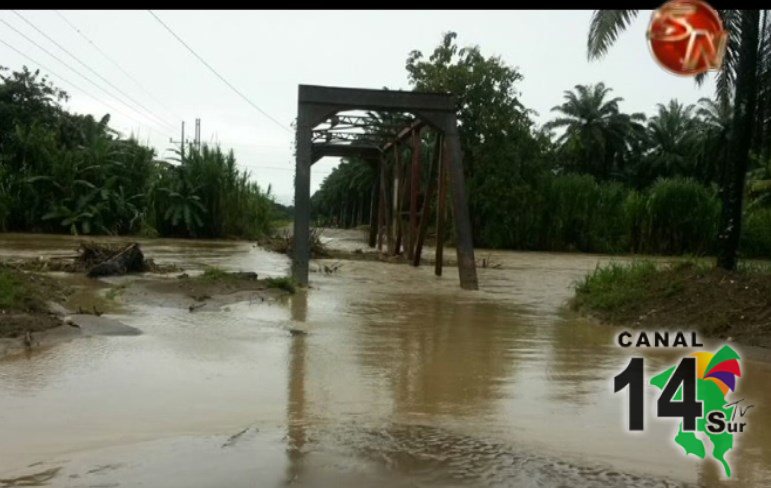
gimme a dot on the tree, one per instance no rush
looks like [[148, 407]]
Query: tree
[[738, 76], [597, 136], [673, 137], [67, 172], [344, 196], [501, 149], [714, 117]]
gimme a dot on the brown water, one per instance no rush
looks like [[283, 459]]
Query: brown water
[[403, 379]]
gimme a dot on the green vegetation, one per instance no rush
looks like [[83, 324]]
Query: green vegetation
[[12, 290], [23, 298], [687, 294], [23, 292], [609, 288], [282, 283], [593, 179], [68, 173], [740, 116], [214, 275]]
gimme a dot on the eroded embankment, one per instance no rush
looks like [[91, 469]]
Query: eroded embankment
[[24, 301], [47, 301], [714, 302]]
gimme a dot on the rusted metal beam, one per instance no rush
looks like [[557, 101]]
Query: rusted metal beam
[[425, 213], [373, 209], [404, 134], [414, 191], [386, 183], [382, 206], [441, 209], [399, 187]]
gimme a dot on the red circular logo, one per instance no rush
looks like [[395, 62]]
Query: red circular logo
[[687, 37]]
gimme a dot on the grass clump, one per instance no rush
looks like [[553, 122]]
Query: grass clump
[[282, 283], [242, 280], [213, 273], [614, 285], [22, 291], [12, 290]]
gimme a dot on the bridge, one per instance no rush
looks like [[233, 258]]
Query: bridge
[[374, 126]]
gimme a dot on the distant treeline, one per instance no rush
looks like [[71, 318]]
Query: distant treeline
[[593, 179], [68, 173]]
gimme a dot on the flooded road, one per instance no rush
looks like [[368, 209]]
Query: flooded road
[[395, 378]]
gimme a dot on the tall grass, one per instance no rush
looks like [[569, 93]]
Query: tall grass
[[681, 216], [206, 195], [575, 212], [615, 285], [756, 233]]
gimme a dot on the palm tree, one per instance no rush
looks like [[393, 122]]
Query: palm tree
[[763, 147], [714, 116], [674, 139], [597, 135], [738, 77]]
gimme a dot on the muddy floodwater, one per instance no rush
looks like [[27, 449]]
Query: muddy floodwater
[[390, 377]]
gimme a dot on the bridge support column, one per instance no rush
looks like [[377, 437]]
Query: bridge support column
[[302, 200]]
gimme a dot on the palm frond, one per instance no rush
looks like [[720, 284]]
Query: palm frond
[[604, 29], [726, 77]]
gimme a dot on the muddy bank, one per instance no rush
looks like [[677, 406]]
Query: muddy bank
[[27, 301], [38, 311], [65, 329], [734, 306], [210, 290], [42, 304], [46, 300]]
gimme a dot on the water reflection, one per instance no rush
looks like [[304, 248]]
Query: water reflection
[[580, 354], [296, 406], [439, 358]]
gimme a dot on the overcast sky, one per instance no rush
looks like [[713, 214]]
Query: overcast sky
[[266, 54]]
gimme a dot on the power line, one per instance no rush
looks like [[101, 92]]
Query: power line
[[32, 41], [116, 64], [217, 74], [50, 71], [105, 80]]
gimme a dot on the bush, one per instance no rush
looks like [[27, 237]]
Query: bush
[[575, 212], [681, 217], [614, 285], [282, 283], [756, 233], [581, 214]]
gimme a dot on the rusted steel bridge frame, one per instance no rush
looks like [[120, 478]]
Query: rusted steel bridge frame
[[317, 104]]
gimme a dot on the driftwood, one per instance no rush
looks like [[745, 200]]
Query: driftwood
[[127, 260]]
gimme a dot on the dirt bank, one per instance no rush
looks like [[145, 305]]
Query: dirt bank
[[27, 301], [210, 290], [714, 302]]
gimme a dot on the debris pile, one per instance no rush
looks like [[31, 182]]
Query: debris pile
[[98, 259], [284, 243], [106, 260]]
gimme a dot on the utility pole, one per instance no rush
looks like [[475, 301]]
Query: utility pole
[[181, 142], [198, 133]]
